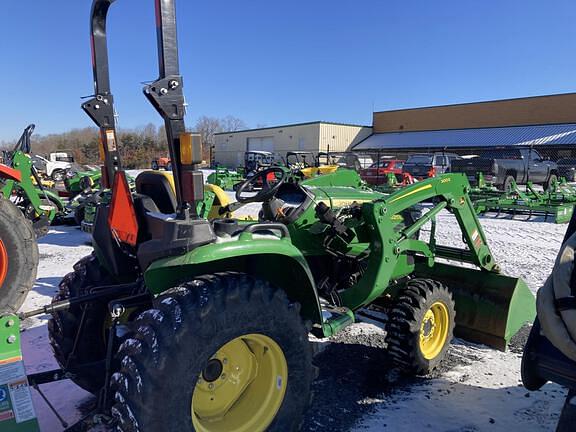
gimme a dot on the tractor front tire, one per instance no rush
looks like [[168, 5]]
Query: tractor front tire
[[222, 352], [421, 326], [18, 257], [71, 349]]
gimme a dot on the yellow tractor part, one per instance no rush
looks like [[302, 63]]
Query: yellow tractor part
[[242, 387], [45, 183], [221, 198], [315, 171], [434, 330]]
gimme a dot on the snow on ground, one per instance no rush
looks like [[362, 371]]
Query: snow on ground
[[478, 390]]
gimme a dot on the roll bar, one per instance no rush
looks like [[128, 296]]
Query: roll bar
[[165, 94]]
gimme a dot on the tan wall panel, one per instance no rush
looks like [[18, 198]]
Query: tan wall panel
[[512, 112], [339, 138]]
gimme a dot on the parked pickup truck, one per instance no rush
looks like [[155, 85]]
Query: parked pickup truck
[[55, 166], [424, 165], [502, 166]]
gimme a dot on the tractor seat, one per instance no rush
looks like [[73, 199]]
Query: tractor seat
[[159, 186]]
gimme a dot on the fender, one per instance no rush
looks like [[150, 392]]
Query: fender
[[278, 261], [10, 173]]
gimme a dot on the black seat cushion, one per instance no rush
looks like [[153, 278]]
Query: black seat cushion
[[158, 188]]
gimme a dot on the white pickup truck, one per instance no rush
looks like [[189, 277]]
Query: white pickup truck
[[56, 166]]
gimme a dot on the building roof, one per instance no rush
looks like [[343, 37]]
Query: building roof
[[291, 125], [490, 101], [558, 134]]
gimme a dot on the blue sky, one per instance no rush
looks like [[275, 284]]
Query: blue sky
[[271, 62]]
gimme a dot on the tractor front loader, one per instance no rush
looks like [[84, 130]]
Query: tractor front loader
[[183, 321], [38, 204]]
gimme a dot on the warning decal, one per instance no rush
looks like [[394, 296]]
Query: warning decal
[[111, 140], [21, 401], [15, 396]]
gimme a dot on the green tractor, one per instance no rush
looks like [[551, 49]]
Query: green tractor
[[183, 321], [38, 203], [78, 181]]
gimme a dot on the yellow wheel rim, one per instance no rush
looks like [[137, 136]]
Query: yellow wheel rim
[[242, 387], [434, 330]]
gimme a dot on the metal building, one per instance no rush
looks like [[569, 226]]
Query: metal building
[[316, 137], [546, 123]]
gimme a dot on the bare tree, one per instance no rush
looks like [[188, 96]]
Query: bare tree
[[209, 126], [231, 124]]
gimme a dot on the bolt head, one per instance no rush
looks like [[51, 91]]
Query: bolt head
[[11, 339], [163, 91], [10, 323]]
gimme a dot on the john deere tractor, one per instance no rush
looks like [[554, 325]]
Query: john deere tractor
[[25, 187], [180, 322]]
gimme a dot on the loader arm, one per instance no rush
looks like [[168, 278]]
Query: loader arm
[[490, 307], [390, 248]]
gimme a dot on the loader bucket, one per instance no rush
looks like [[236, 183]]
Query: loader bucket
[[490, 307]]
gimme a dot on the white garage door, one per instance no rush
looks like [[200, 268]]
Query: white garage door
[[261, 143]]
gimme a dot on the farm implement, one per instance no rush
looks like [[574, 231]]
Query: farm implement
[[555, 204], [391, 182], [226, 179], [184, 319]]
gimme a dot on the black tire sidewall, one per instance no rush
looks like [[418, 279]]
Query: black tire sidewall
[[182, 389], [22, 250], [182, 356]]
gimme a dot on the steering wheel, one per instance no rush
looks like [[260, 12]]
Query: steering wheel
[[258, 180]]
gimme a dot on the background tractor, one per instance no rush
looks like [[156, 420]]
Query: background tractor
[[185, 319], [26, 189]]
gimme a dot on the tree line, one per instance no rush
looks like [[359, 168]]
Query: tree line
[[138, 146]]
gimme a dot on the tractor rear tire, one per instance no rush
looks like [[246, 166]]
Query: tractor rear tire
[[64, 326], [421, 326], [180, 355], [18, 257]]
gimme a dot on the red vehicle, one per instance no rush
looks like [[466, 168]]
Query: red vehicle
[[162, 163], [376, 174]]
